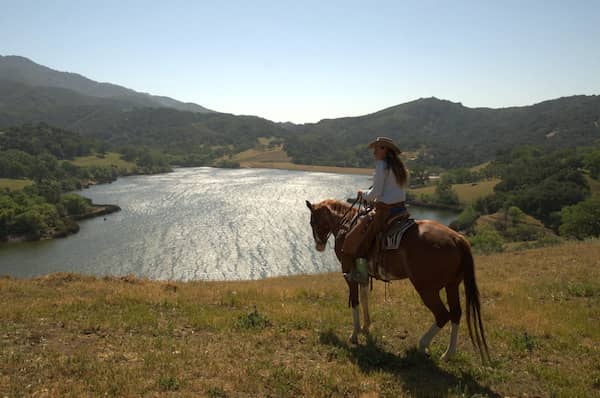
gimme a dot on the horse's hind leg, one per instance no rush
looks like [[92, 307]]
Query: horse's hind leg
[[455, 314], [431, 299]]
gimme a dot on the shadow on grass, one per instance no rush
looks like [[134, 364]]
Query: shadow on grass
[[416, 371]]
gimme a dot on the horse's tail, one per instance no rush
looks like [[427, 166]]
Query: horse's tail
[[472, 303]]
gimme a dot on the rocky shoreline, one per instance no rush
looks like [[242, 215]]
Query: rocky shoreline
[[97, 211]]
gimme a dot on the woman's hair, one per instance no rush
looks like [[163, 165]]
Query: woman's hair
[[395, 163]]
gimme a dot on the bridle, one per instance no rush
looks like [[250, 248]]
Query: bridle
[[340, 223]]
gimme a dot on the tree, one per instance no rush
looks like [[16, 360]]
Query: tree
[[75, 204], [581, 220], [592, 163], [419, 175], [466, 220], [445, 194]]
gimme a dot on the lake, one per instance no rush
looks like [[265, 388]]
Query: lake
[[198, 224]]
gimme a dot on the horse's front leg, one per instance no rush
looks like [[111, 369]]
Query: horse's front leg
[[353, 300], [364, 300]]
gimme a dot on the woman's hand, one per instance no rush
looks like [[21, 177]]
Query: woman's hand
[[359, 195]]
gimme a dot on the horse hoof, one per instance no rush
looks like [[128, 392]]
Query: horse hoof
[[424, 350], [353, 339]]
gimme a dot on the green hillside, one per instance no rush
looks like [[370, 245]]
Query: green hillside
[[449, 134], [435, 132]]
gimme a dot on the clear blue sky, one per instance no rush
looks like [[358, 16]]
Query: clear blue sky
[[307, 60]]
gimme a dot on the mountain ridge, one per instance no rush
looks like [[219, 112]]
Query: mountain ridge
[[20, 69], [443, 133]]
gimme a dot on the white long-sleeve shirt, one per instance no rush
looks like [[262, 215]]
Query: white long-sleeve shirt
[[385, 187]]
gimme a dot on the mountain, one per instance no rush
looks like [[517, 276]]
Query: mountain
[[119, 123], [438, 132], [449, 134], [22, 70]]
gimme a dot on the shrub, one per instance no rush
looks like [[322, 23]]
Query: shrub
[[581, 220], [253, 320], [75, 204], [445, 194], [466, 220], [487, 240]]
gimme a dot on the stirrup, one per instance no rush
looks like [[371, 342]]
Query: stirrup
[[359, 273]]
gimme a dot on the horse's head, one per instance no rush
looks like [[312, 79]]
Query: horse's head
[[321, 221]]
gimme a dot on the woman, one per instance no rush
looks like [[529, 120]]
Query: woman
[[388, 194]]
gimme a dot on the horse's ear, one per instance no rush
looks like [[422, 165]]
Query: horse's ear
[[309, 205]]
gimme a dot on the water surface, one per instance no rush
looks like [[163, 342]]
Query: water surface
[[198, 223]]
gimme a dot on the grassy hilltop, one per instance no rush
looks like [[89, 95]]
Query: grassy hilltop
[[71, 335]]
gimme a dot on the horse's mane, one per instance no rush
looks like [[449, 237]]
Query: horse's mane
[[337, 207]]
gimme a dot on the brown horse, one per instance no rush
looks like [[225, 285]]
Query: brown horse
[[431, 255]]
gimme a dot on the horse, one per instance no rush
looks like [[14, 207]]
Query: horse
[[431, 255]]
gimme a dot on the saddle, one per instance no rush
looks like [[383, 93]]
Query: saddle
[[392, 237], [387, 240]]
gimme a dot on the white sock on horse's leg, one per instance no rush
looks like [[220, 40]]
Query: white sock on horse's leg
[[427, 337], [364, 299], [356, 323], [452, 346]]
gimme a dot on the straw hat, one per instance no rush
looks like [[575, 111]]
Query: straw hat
[[386, 142]]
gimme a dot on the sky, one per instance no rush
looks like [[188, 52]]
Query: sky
[[303, 61]]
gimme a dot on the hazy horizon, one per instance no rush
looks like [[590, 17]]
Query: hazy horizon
[[306, 62]]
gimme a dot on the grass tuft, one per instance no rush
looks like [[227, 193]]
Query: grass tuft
[[253, 320], [583, 289], [169, 383], [525, 342], [216, 392]]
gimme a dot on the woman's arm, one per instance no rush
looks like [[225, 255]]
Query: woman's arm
[[377, 190]]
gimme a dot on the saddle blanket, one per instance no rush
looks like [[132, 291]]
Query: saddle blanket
[[394, 235]]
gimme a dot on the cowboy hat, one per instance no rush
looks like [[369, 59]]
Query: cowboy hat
[[386, 142]]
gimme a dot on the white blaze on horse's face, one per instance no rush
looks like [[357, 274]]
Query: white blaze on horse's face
[[319, 227]]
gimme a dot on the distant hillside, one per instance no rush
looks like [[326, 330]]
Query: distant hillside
[[449, 134], [22, 70], [437, 132], [118, 122]]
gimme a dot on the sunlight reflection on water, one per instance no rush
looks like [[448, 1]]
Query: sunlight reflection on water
[[197, 223]]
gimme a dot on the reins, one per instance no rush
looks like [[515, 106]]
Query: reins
[[343, 220]]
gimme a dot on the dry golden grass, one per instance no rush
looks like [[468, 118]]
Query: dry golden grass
[[71, 335], [14, 184], [467, 193], [277, 158], [110, 159], [276, 154], [480, 167]]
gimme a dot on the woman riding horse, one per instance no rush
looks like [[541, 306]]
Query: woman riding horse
[[389, 196], [431, 255]]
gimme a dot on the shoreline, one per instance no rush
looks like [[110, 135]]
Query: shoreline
[[71, 225], [306, 167]]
